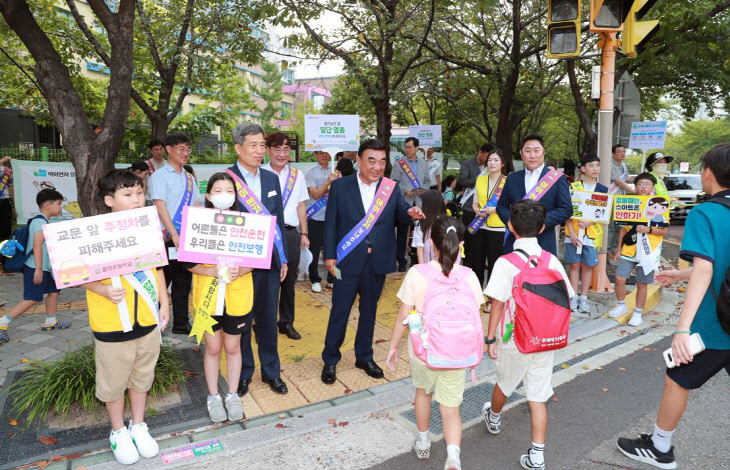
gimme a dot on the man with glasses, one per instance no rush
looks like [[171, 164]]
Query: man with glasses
[[293, 193], [171, 188], [412, 195]]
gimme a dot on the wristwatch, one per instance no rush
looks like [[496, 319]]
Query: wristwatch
[[490, 341]]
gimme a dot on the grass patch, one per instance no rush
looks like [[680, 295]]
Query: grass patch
[[298, 357], [55, 386]]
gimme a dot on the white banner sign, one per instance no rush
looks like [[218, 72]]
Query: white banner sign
[[428, 136], [331, 130], [592, 207], [648, 135], [102, 246], [31, 177]]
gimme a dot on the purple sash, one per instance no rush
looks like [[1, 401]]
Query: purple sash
[[539, 190], [7, 173], [252, 204], [409, 173], [293, 173], [478, 221], [363, 228]]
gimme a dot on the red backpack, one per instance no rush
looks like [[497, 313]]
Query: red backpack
[[541, 304]]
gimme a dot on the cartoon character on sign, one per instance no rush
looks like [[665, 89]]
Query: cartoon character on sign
[[74, 208], [654, 209], [43, 185], [73, 270]]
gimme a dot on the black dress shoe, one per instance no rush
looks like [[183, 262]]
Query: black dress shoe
[[181, 329], [289, 331], [370, 368], [243, 386], [329, 374], [277, 385], [401, 267]]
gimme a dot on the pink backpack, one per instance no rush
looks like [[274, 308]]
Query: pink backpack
[[451, 321], [542, 305]]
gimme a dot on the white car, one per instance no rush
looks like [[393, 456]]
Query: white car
[[683, 190]]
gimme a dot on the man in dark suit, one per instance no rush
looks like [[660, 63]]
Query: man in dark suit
[[250, 145], [362, 271], [556, 200]]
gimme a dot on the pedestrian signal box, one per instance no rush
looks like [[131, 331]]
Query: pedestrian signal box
[[563, 29], [609, 15], [636, 33]]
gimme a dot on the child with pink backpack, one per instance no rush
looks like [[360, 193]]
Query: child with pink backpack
[[440, 303], [530, 295]]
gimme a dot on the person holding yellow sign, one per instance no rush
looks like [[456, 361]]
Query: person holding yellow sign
[[639, 247]]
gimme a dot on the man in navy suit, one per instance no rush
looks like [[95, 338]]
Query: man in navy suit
[[250, 145], [556, 200], [362, 272]]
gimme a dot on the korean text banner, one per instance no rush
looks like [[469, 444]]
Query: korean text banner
[[331, 130], [645, 210], [102, 246], [592, 207], [428, 136], [229, 238]]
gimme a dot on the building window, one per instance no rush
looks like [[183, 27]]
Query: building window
[[286, 110]]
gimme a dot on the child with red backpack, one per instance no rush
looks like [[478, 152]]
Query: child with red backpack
[[440, 303], [531, 285]]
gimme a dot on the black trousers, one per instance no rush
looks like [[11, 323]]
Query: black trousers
[[286, 298], [181, 280], [466, 218], [495, 249], [266, 295], [401, 242], [316, 241], [478, 254]]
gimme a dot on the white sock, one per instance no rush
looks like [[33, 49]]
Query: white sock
[[50, 320], [662, 439], [5, 320], [132, 425], [494, 417], [621, 302], [583, 297], [537, 453], [452, 451], [637, 311], [423, 436]]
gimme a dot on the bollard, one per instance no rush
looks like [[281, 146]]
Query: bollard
[[44, 154]]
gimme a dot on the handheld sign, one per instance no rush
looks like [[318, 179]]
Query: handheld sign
[[590, 207], [428, 136], [331, 133], [229, 238], [641, 210], [103, 246]]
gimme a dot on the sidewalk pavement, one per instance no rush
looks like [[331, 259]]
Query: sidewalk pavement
[[354, 392]]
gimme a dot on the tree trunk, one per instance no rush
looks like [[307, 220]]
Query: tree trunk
[[92, 152], [591, 138], [158, 122], [383, 127]]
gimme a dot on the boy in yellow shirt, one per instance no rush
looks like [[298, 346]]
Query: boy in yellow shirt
[[126, 360], [626, 256]]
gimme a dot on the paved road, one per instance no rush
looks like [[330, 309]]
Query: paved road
[[672, 242], [585, 422]]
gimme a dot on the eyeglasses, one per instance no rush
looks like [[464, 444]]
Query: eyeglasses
[[182, 148], [644, 184]]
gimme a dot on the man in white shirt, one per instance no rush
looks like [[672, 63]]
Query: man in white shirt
[[293, 194], [435, 169], [318, 180]]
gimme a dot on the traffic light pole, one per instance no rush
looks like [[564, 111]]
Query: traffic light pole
[[610, 44]]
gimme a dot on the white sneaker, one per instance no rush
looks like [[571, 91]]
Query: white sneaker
[[215, 408], [317, 287], [146, 445], [635, 319], [452, 464], [422, 450], [234, 407], [583, 306], [618, 310], [124, 450], [492, 427], [574, 303]]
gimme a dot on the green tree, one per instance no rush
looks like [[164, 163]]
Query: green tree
[[271, 92], [695, 139]]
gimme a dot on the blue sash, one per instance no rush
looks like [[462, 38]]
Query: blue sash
[[363, 228], [409, 173], [317, 206], [252, 204], [186, 199], [478, 221], [7, 173], [293, 173]]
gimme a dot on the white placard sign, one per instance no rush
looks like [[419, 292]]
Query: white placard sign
[[648, 135], [428, 136], [592, 207], [99, 247], [341, 131]]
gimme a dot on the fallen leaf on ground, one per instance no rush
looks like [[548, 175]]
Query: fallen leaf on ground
[[378, 341], [175, 389], [564, 366], [554, 398], [49, 441], [13, 422], [332, 422], [599, 368], [281, 426], [24, 361], [282, 415], [348, 391], [681, 289], [586, 367], [649, 349], [344, 423], [196, 349], [622, 368], [605, 390], [190, 373]]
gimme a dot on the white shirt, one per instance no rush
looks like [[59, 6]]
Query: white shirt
[[367, 192], [252, 181], [500, 282], [299, 193], [434, 168], [532, 177]]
